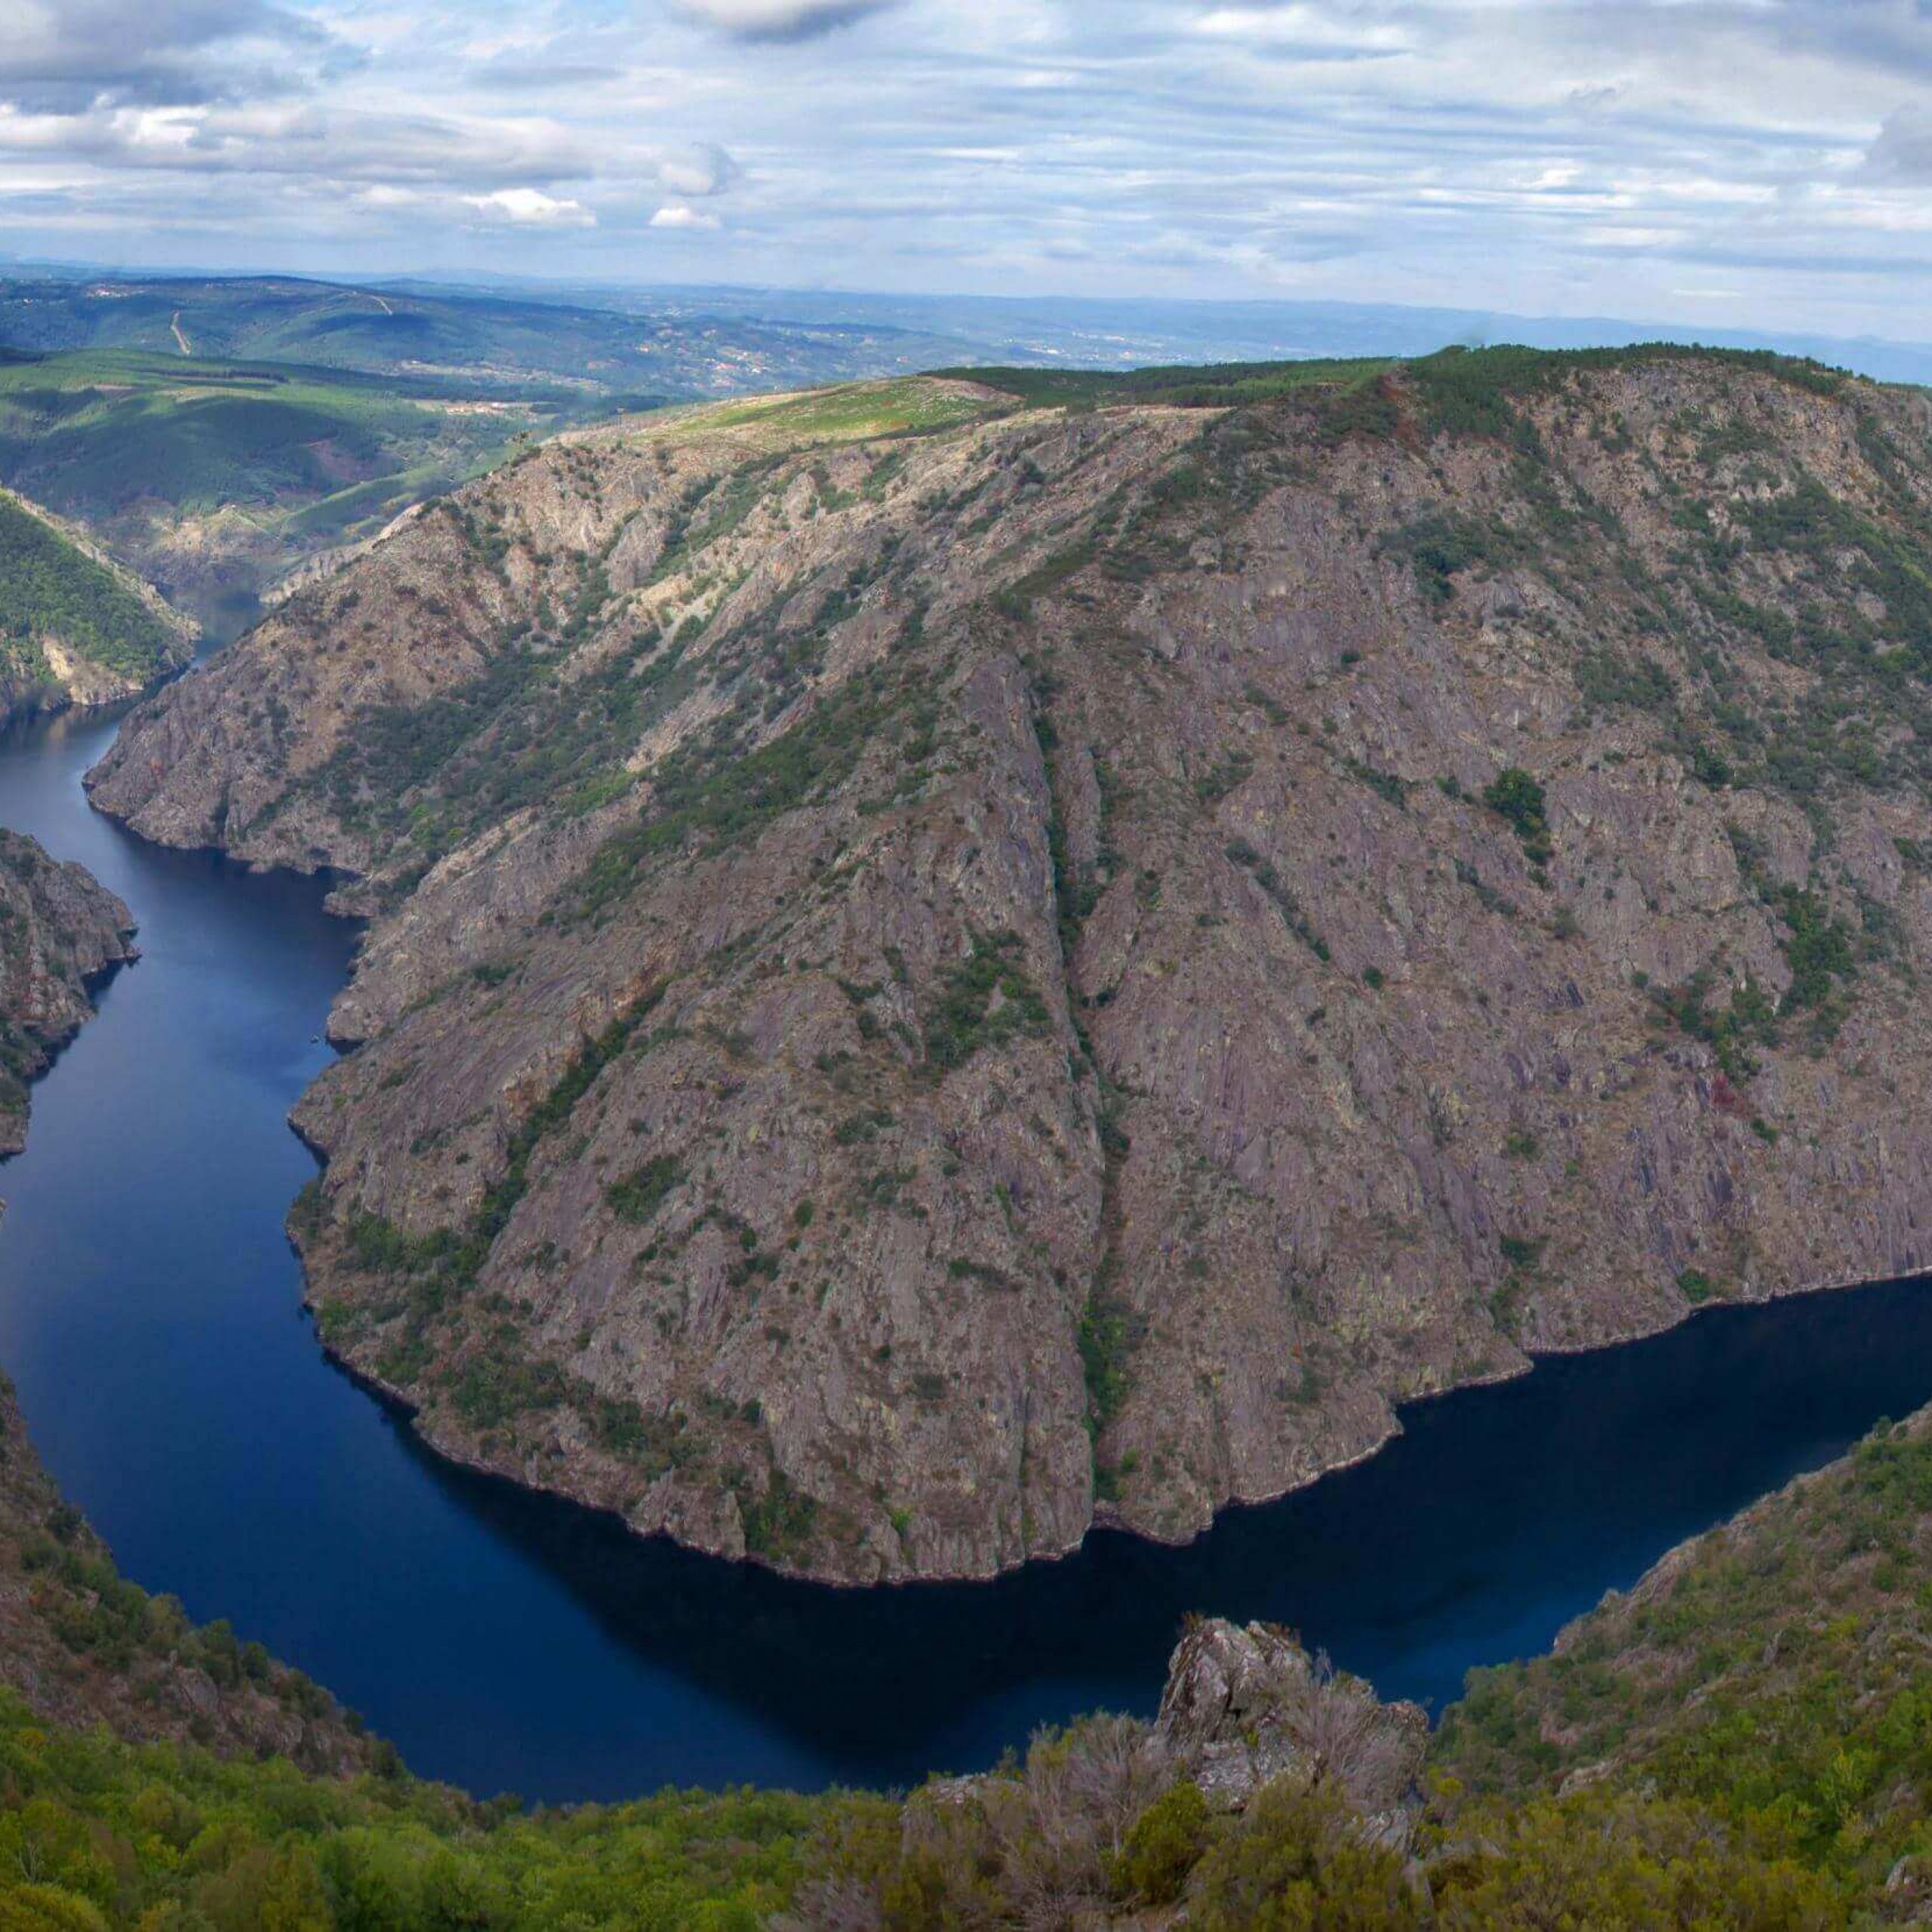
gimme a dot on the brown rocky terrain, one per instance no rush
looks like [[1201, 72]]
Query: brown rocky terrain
[[60, 930], [944, 967]]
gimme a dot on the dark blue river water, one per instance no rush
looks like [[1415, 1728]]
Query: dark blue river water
[[149, 1311]]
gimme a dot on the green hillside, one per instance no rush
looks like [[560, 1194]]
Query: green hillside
[[212, 479], [498, 343], [92, 433], [51, 589]]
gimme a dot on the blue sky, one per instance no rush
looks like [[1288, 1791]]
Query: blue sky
[[1751, 163]]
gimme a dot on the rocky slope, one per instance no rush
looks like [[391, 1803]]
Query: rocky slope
[[946, 967], [60, 930], [75, 628], [1775, 1666]]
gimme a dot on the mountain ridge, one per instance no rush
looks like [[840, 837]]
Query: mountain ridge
[[947, 969]]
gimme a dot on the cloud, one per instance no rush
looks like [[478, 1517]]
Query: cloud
[[1579, 156], [531, 208], [697, 170], [1901, 155], [781, 19], [1305, 33], [55, 53]]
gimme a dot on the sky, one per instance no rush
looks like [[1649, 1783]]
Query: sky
[[1740, 163]]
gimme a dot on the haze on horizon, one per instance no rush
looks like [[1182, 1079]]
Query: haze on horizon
[[1755, 163]]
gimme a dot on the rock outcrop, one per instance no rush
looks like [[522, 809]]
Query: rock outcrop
[[60, 932], [1245, 1705], [942, 970]]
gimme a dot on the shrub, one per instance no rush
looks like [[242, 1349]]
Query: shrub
[[637, 1197], [1164, 1845], [1514, 794], [1297, 1864]]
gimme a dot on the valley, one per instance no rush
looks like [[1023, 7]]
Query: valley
[[215, 480], [965, 968], [1012, 725]]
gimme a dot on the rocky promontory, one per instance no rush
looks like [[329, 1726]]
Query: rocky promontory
[[946, 966], [60, 932]]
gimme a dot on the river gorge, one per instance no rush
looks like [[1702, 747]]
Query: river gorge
[[150, 1311]]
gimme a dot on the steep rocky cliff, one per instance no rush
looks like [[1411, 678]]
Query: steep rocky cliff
[[60, 930], [951, 960]]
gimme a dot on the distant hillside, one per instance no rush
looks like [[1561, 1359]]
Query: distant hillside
[[75, 628], [492, 342], [219, 433], [215, 478], [1131, 332]]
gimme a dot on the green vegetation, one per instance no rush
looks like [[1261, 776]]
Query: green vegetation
[[1474, 392], [1758, 1722], [1109, 1329], [1443, 545], [50, 588], [1748, 1020], [491, 1386], [1215, 386], [1775, 1681], [95, 1833], [984, 1001], [314, 456], [702, 793], [433, 775], [1242, 853], [1097, 1819], [637, 1197], [116, 1626], [1514, 794], [910, 405]]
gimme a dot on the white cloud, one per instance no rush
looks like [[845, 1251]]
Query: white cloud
[[68, 52], [531, 208], [704, 170], [1585, 156]]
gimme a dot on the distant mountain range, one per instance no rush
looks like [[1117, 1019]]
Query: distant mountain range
[[704, 340], [1129, 333], [490, 341]]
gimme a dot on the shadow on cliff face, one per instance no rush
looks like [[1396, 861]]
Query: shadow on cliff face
[[1498, 1515]]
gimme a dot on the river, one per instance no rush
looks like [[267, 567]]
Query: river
[[150, 1313]]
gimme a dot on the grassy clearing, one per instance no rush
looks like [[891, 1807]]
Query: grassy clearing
[[905, 406]]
